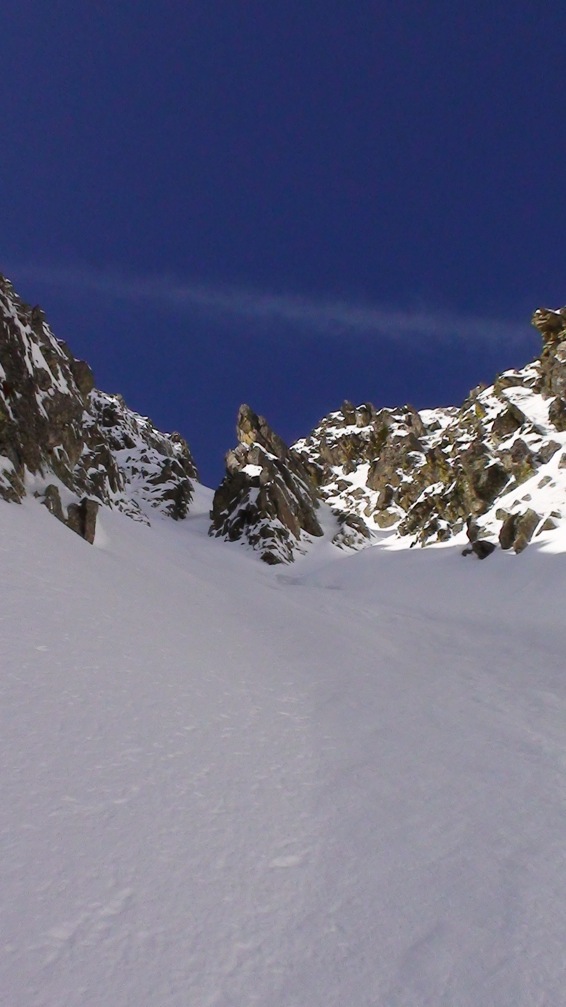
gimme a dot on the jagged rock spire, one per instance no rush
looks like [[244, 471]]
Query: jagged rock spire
[[266, 496]]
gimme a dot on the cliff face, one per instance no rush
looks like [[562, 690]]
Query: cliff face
[[71, 445]]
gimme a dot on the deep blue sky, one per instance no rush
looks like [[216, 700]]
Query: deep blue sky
[[285, 203]]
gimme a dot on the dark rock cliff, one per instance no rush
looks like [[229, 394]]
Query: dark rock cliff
[[72, 446]]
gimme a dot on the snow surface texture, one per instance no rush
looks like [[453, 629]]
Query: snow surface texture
[[224, 784]]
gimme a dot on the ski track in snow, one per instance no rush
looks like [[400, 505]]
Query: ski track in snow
[[223, 784]]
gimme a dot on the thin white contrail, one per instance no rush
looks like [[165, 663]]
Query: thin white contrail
[[315, 316]]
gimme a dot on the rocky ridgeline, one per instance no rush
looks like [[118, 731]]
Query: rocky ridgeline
[[71, 445], [495, 467], [269, 500]]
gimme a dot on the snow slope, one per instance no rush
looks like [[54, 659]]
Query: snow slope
[[225, 785]]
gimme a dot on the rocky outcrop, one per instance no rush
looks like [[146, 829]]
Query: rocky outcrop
[[269, 499], [552, 366], [427, 474], [266, 498], [157, 469], [72, 446]]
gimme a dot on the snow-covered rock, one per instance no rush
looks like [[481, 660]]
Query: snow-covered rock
[[269, 500], [496, 466], [266, 498], [73, 446]]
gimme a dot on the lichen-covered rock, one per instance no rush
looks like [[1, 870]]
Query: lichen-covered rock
[[267, 497], [71, 445]]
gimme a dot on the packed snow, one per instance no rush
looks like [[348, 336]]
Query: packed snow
[[224, 784]]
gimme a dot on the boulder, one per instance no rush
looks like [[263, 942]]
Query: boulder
[[482, 549], [81, 518], [508, 421], [52, 500], [518, 529]]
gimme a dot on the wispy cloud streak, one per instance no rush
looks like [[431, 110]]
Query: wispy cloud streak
[[315, 316]]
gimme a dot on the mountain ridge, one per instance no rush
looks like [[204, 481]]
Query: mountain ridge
[[489, 473]]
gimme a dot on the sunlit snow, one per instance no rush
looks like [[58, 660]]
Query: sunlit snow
[[224, 784]]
